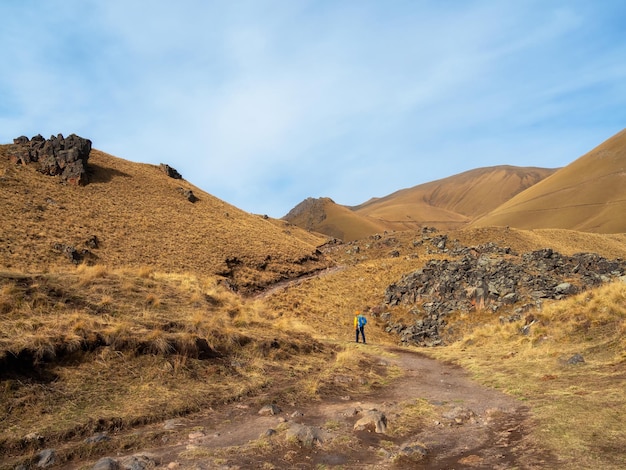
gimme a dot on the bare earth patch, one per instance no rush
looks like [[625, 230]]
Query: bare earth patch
[[436, 417]]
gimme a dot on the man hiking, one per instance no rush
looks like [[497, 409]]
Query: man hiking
[[359, 325]]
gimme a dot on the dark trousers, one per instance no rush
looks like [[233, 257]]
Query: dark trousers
[[360, 329]]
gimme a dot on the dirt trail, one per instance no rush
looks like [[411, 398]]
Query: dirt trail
[[472, 427]]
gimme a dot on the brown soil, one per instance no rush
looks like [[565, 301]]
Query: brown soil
[[471, 427]]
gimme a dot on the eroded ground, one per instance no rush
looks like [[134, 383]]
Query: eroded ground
[[437, 418]]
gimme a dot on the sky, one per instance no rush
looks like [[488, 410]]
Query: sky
[[263, 103]]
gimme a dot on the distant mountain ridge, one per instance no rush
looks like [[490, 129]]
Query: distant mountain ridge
[[449, 203], [586, 195]]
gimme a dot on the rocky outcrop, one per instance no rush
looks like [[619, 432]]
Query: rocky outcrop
[[169, 171], [56, 156], [76, 256], [492, 278]]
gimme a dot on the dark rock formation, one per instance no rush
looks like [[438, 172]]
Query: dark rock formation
[[169, 171], [73, 255], [493, 278], [57, 156], [188, 193]]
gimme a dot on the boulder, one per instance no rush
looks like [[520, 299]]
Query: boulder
[[46, 458], [57, 156], [306, 436], [269, 410], [169, 171], [373, 421], [576, 359], [106, 463]]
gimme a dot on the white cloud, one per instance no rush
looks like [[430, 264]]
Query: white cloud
[[264, 103]]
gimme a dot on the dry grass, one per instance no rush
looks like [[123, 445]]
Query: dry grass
[[152, 329], [75, 364], [141, 220], [579, 408], [587, 195]]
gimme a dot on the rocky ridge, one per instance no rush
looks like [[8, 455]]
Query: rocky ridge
[[65, 157], [489, 277]]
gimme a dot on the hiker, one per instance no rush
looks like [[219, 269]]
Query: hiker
[[359, 325]]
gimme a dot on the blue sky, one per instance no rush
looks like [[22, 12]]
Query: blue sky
[[264, 103]]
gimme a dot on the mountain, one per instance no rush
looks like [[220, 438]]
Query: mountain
[[452, 202], [587, 195], [323, 215], [133, 214], [448, 203]]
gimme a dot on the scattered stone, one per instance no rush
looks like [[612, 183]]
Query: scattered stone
[[306, 436], [269, 433], [565, 288], [414, 450], [33, 436], [46, 458], [188, 193], [142, 461], [372, 421], [269, 410], [459, 415], [196, 435], [93, 242], [342, 379], [96, 438], [489, 277], [576, 359], [172, 424], [106, 463]]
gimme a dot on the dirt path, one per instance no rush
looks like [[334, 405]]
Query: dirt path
[[471, 427]]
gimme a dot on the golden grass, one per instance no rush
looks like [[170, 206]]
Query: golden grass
[[74, 364], [579, 408], [152, 330], [587, 195], [141, 220]]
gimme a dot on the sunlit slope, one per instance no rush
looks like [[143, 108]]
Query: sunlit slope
[[449, 203], [452, 202], [326, 217], [141, 218], [587, 195]]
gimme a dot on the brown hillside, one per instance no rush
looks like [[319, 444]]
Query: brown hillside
[[140, 218], [323, 215], [451, 202], [587, 195]]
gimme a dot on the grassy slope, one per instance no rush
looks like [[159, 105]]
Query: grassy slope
[[587, 195], [453, 201], [141, 219], [103, 350], [447, 204], [579, 410], [81, 344], [326, 217]]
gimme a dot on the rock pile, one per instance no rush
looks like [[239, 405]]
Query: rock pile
[[56, 156], [491, 277]]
